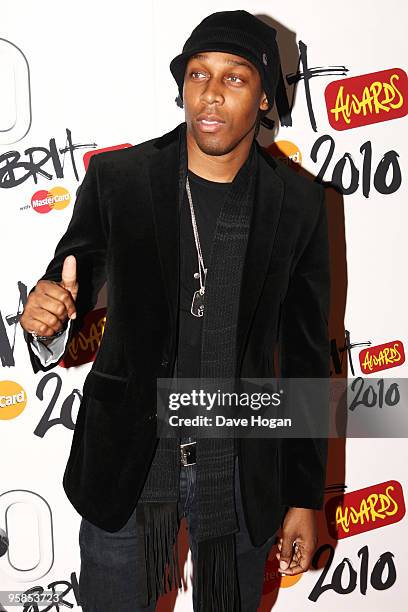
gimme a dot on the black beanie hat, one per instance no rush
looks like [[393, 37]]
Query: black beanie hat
[[239, 33]]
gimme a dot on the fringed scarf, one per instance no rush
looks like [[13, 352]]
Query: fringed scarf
[[214, 572]]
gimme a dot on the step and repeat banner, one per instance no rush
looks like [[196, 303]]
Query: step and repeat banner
[[83, 77]]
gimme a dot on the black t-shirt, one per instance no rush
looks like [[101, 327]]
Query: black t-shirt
[[208, 197]]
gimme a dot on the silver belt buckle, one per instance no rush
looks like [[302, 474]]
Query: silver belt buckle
[[187, 450]]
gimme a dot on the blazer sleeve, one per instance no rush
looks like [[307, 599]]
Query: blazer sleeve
[[86, 238], [305, 353]]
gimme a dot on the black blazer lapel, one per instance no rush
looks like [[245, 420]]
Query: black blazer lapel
[[163, 174]]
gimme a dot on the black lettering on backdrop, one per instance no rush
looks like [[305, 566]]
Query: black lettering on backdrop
[[345, 578], [307, 75], [61, 587], [65, 418], [388, 165], [370, 397], [284, 108], [14, 171]]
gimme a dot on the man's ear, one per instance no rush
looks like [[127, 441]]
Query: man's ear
[[264, 105]]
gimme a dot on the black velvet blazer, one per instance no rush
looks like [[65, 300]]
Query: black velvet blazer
[[124, 231]]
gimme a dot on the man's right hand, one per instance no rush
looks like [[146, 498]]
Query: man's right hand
[[52, 303]]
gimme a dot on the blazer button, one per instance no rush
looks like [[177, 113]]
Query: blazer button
[[164, 362]]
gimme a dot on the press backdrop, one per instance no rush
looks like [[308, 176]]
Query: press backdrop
[[80, 77]]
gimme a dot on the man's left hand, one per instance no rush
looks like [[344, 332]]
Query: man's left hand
[[298, 541]]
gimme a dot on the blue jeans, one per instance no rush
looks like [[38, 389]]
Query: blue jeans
[[108, 560]]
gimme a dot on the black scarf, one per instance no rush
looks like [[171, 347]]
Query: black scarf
[[214, 574]]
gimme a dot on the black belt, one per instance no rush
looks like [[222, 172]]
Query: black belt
[[188, 453]]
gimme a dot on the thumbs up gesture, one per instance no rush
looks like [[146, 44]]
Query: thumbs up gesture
[[68, 276], [51, 303]]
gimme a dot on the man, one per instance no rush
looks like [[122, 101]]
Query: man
[[213, 253]]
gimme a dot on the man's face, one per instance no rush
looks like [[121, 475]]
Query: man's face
[[222, 94]]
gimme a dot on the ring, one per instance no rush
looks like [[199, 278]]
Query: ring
[[34, 334]]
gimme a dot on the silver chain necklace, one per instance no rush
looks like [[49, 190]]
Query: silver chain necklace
[[197, 304]]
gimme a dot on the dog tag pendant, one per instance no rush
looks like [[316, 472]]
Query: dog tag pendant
[[197, 305]]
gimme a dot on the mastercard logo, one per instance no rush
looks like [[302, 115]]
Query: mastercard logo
[[286, 151], [13, 399], [274, 580], [288, 581], [56, 198]]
